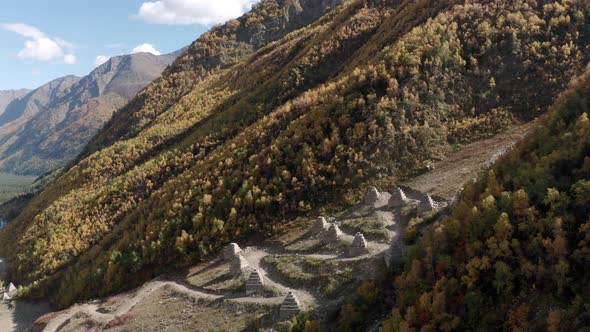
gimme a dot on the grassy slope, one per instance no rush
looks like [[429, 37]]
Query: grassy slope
[[246, 146], [13, 185]]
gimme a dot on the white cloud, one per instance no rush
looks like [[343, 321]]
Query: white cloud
[[44, 49], [145, 47], [101, 59], [64, 43], [24, 30], [69, 59], [39, 46], [192, 11], [149, 48]]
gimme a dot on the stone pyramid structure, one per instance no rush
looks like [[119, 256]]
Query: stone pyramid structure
[[320, 226], [398, 251], [255, 283], [372, 196], [426, 204], [290, 306], [398, 198], [238, 265], [11, 290], [6, 297], [333, 234], [231, 251], [359, 245]]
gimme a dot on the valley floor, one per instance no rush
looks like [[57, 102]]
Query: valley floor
[[14, 185]]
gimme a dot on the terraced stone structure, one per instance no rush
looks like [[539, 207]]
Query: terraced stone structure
[[320, 226], [359, 245], [290, 306], [11, 290], [238, 266], [398, 198], [255, 283], [427, 204], [397, 253], [231, 251], [332, 235], [372, 196], [8, 292]]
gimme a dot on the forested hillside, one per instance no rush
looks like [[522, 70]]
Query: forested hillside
[[296, 105], [514, 254], [218, 49]]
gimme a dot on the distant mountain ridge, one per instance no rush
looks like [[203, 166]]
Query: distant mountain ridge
[[20, 110], [8, 96], [45, 128]]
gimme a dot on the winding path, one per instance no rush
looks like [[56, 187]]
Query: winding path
[[254, 256]]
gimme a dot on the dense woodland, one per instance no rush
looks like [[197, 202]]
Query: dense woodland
[[515, 252], [247, 130]]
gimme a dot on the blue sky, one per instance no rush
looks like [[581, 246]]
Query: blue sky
[[43, 40]]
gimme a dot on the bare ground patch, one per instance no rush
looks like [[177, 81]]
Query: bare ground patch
[[449, 175]]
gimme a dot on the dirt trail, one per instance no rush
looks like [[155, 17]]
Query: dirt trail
[[450, 174], [254, 255], [94, 311], [20, 315]]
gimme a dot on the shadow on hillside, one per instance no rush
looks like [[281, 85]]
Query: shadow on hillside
[[21, 315]]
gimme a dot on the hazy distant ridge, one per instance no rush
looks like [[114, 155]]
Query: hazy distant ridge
[[41, 130]]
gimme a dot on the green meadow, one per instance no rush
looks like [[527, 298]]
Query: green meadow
[[13, 185]]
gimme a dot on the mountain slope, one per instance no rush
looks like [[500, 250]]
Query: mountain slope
[[46, 137], [19, 111], [218, 49], [514, 254], [7, 97], [369, 92]]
